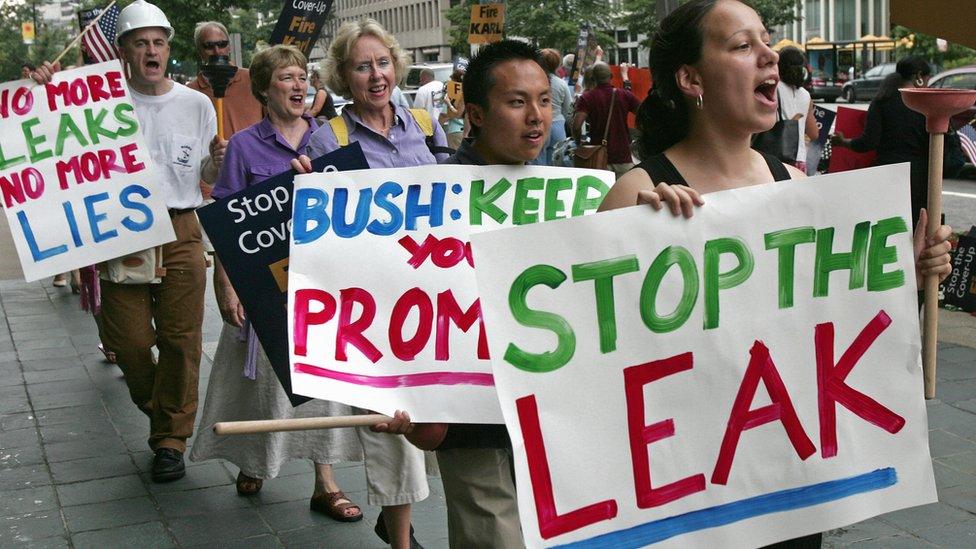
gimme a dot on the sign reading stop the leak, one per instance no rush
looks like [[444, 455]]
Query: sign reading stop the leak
[[76, 179], [747, 376], [384, 312]]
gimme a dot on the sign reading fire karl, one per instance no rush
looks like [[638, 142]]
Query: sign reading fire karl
[[300, 23]]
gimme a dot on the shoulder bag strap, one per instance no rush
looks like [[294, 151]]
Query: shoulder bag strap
[[606, 130]]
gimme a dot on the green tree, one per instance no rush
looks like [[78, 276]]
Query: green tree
[[909, 42], [640, 16], [49, 41]]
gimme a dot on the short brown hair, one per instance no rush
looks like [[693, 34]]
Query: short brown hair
[[266, 61], [550, 59], [345, 39]]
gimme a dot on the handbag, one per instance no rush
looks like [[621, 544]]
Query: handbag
[[145, 267], [595, 156], [782, 140]]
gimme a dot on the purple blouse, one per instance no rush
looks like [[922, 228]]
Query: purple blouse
[[255, 154], [406, 145]]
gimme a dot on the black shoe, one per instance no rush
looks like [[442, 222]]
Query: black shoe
[[168, 465], [380, 530]]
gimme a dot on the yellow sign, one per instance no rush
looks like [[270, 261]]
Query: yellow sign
[[487, 23], [27, 32], [454, 93]]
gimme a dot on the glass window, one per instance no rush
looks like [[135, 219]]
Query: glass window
[[965, 81], [844, 20], [875, 72], [621, 36]]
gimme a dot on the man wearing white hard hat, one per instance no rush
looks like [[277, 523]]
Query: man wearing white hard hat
[[179, 126]]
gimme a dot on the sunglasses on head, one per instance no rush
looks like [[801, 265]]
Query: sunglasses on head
[[217, 44]]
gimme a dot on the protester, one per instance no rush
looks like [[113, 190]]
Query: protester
[[178, 124], [243, 385], [26, 69], [594, 107], [562, 107], [794, 100], [239, 107], [430, 94], [714, 86], [452, 116], [363, 64], [896, 132], [507, 90], [322, 107]]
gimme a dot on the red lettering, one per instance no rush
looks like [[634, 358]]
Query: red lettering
[[106, 160], [444, 253], [114, 80], [351, 332], [129, 159], [18, 187], [641, 435], [742, 418], [407, 350], [96, 85], [55, 90], [304, 317], [448, 311], [831, 388], [551, 523], [79, 92]]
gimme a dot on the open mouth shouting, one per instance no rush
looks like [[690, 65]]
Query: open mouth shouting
[[535, 137], [766, 92], [297, 101], [378, 91]]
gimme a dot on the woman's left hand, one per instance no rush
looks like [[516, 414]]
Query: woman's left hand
[[931, 253]]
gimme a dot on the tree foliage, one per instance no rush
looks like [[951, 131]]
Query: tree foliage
[[640, 16], [909, 42], [49, 40]]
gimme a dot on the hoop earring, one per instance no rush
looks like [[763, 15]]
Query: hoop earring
[[698, 101], [919, 82]]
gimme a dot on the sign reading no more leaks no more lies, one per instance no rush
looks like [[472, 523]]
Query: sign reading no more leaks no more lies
[[747, 376], [383, 307], [76, 180]]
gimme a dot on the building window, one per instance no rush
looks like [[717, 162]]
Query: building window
[[844, 20]]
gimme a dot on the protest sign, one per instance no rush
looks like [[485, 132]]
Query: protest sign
[[384, 313], [635, 342], [487, 23], [849, 122], [455, 93], [825, 120], [959, 288], [250, 232], [75, 176], [582, 46], [300, 23]]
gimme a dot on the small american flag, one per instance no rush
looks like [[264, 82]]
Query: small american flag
[[99, 41], [967, 138]]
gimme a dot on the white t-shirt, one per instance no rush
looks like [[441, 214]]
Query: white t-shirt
[[178, 127], [795, 101], [430, 96]]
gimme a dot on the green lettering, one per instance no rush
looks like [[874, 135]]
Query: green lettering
[[880, 255], [34, 140], [524, 209], [672, 255], [785, 241], [602, 273], [565, 338], [482, 202], [554, 207], [716, 281], [130, 125], [94, 125], [582, 202], [68, 127], [827, 261]]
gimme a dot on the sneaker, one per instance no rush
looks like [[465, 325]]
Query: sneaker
[[168, 465]]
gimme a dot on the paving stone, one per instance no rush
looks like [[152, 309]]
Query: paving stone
[[6, 356], [948, 372], [967, 405], [145, 536], [18, 457], [356, 535], [59, 374], [926, 516], [37, 354], [962, 497], [39, 365], [93, 468], [25, 476], [949, 418], [71, 414], [947, 477], [18, 503], [46, 402], [965, 462], [80, 449], [84, 430], [266, 541], [109, 514], [862, 531], [35, 344], [218, 527], [34, 325], [28, 529], [200, 502], [106, 489], [942, 444], [67, 386], [13, 422], [7, 345], [296, 487], [203, 475], [14, 403], [19, 439], [34, 335], [294, 515], [954, 391], [954, 535]]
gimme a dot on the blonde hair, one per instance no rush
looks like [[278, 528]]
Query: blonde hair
[[266, 61], [333, 69]]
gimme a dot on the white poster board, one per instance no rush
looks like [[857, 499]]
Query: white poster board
[[732, 380], [383, 305], [76, 180]]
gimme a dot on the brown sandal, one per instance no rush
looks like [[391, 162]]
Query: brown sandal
[[335, 505], [248, 486]]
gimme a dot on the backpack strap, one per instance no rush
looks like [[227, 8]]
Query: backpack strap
[[340, 130], [422, 116]]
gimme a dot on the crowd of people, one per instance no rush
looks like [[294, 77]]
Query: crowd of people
[[711, 93]]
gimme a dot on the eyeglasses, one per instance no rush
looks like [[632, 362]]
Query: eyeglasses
[[217, 44]]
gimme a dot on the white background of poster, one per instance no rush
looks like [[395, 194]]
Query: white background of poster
[[45, 214], [378, 264], [582, 406]]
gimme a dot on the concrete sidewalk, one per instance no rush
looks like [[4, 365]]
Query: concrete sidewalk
[[73, 457]]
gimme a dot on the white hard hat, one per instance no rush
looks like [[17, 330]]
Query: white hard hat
[[139, 15]]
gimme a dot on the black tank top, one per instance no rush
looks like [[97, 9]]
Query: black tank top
[[662, 170]]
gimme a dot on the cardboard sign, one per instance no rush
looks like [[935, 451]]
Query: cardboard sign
[[851, 123], [250, 231], [959, 288], [455, 93], [487, 23], [76, 180], [746, 376], [384, 312], [300, 23]]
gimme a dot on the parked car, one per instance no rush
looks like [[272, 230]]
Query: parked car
[[960, 78], [866, 87], [442, 72], [821, 87]]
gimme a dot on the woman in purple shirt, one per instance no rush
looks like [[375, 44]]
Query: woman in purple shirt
[[278, 81]]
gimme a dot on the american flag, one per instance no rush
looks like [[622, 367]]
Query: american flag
[[967, 138], [99, 41]]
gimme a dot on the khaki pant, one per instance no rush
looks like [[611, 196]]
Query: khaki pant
[[169, 315], [479, 489]]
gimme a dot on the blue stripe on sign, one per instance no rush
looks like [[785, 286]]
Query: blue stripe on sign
[[720, 515]]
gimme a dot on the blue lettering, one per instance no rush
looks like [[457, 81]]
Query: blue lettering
[[382, 200], [127, 203], [94, 219], [340, 199], [69, 214], [310, 206], [434, 210], [37, 254]]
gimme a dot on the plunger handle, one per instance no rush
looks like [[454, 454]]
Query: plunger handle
[[297, 424], [219, 103], [930, 327]]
